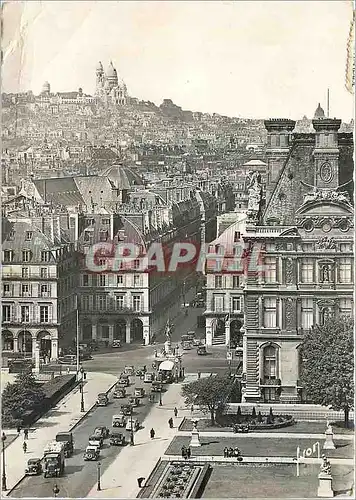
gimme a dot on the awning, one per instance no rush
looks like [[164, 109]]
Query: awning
[[166, 366]]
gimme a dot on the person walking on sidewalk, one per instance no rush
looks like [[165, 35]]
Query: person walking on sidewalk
[[175, 412], [25, 433], [24, 447], [170, 423], [18, 430], [189, 452], [152, 433]]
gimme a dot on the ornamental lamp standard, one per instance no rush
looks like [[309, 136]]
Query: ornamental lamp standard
[[82, 409], [132, 442], [3, 439], [98, 487], [160, 398]]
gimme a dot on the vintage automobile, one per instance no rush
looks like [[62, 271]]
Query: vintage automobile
[[149, 377], [201, 350], [157, 387], [119, 393], [139, 392], [102, 431], [132, 425], [241, 428], [134, 401], [117, 439], [124, 381], [34, 467], [91, 453], [126, 410], [129, 370], [102, 399], [116, 343], [96, 440], [119, 420], [140, 371], [197, 342]]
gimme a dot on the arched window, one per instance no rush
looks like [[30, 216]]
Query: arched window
[[270, 363]]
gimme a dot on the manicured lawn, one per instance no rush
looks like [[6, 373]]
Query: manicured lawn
[[255, 447], [301, 427], [271, 482]]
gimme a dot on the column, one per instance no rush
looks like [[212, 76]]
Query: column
[[208, 332], [146, 330], [94, 331], [111, 333], [54, 349], [16, 344], [227, 332], [128, 332], [36, 344]]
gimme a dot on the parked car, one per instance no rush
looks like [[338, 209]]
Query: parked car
[[140, 371], [102, 431], [157, 387], [34, 467], [126, 410], [149, 377], [241, 428], [116, 343], [119, 392], [119, 420], [69, 359], [139, 392], [91, 453], [117, 439], [129, 370], [96, 440], [197, 342], [201, 350], [133, 425], [102, 399], [124, 382], [134, 402]]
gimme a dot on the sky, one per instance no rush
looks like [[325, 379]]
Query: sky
[[254, 59]]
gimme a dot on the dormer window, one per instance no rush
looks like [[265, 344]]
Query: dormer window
[[103, 235], [105, 222], [11, 236], [8, 255], [26, 255], [45, 256], [28, 235]]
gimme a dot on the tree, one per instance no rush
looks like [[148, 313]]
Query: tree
[[328, 364], [209, 393], [19, 397]]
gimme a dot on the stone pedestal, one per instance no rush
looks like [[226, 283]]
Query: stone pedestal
[[329, 443], [168, 347], [195, 442], [325, 489]]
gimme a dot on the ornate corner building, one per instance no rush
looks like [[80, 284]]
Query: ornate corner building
[[306, 233]]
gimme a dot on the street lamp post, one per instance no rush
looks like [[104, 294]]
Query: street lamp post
[[3, 439], [131, 432], [160, 398], [82, 397], [99, 478], [55, 490]]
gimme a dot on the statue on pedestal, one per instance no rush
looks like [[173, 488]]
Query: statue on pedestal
[[325, 466]]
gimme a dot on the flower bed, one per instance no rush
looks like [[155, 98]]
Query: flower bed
[[255, 421]]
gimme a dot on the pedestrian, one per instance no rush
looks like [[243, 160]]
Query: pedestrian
[[152, 433], [175, 412], [24, 447], [192, 409], [170, 423], [18, 430], [26, 433], [226, 452], [199, 374], [189, 452], [183, 451]]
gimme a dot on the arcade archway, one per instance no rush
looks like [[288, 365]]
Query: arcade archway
[[7, 339], [120, 330], [44, 338], [136, 329], [236, 335], [25, 342]]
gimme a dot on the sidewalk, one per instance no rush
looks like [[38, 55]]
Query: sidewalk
[[119, 480], [60, 418]]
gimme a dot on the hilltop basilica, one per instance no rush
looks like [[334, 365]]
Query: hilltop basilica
[[109, 87]]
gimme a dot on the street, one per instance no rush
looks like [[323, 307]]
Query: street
[[81, 476]]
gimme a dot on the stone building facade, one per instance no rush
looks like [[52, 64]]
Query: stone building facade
[[306, 235]]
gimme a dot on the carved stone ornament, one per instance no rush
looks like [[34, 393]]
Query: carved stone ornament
[[289, 270], [309, 223], [289, 312], [326, 172], [325, 243]]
